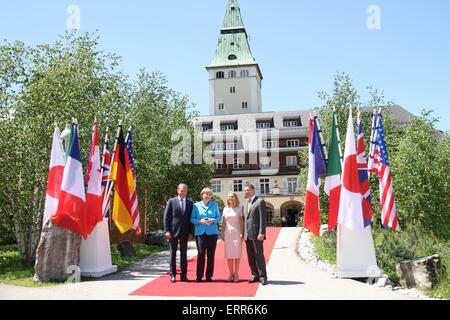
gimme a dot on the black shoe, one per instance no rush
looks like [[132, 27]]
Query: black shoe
[[208, 279], [253, 279], [198, 279], [263, 281], [172, 279], [184, 279]]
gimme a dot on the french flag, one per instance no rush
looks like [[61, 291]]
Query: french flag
[[316, 169], [71, 213], [55, 175]]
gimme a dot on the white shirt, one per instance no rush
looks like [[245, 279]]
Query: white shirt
[[182, 203]]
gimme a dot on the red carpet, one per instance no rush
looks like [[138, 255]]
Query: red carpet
[[219, 287]]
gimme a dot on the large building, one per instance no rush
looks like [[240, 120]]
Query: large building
[[248, 145]]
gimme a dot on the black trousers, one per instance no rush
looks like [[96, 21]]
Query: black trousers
[[256, 261], [173, 246], [206, 244]]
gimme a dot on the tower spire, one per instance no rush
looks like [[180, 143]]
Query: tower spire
[[233, 48]]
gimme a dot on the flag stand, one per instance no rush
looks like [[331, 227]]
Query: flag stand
[[95, 252], [355, 254]]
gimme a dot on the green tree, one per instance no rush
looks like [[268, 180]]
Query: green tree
[[421, 176], [42, 85], [156, 113]]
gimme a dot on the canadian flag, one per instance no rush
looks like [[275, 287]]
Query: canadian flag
[[94, 184], [55, 175], [350, 205]]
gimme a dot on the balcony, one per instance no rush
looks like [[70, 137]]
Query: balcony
[[278, 192]]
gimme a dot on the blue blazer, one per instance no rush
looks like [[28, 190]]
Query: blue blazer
[[200, 211]]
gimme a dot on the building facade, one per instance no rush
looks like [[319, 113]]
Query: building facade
[[247, 144]]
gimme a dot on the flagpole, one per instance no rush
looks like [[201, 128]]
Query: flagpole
[[337, 135], [109, 182], [322, 145]]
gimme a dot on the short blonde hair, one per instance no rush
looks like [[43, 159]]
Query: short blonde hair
[[235, 198], [205, 190]]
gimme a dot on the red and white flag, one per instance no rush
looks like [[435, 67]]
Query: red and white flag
[[71, 213], [94, 184], [55, 175], [350, 205]]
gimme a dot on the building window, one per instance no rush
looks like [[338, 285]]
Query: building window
[[216, 186], [232, 89], [293, 143], [230, 126], [238, 163], [264, 186], [270, 144], [290, 123], [220, 75], [244, 105], [221, 106], [292, 184], [232, 146], [232, 57], [232, 74], [244, 73], [237, 185], [219, 163], [218, 146], [263, 125], [264, 162], [291, 161]]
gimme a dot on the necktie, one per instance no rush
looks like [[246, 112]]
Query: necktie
[[249, 204], [182, 206]]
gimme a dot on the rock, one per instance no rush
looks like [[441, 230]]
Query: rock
[[156, 238], [57, 255], [126, 249], [382, 282], [421, 273]]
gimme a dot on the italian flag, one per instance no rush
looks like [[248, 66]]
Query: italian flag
[[332, 185]]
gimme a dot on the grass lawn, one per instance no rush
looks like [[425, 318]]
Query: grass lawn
[[14, 272]]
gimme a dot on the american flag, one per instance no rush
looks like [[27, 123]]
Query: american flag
[[389, 217], [363, 176], [106, 171], [133, 198]]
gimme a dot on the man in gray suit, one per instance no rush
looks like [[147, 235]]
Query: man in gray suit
[[255, 233]]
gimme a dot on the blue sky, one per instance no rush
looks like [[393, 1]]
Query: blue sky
[[299, 44]]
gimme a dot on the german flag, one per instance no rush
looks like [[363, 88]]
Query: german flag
[[122, 205]]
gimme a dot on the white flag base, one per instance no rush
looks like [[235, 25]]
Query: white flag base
[[95, 253], [355, 256]]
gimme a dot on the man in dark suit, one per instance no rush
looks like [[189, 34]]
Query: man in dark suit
[[178, 228], [255, 233]]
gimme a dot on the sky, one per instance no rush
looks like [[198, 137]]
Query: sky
[[299, 44]]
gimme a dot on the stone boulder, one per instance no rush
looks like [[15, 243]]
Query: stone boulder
[[156, 238], [126, 249], [57, 254], [421, 273]]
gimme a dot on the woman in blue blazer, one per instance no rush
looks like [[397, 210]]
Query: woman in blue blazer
[[205, 218]]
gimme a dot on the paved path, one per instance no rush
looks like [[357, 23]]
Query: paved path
[[290, 278]]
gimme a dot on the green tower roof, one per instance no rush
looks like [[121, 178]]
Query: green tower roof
[[233, 48]]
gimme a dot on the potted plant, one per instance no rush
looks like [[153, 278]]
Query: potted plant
[[276, 221]]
